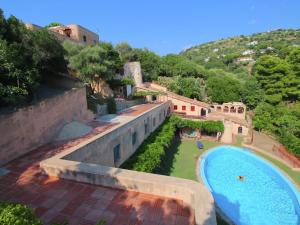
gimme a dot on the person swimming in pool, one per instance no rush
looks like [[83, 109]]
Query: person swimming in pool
[[241, 178]]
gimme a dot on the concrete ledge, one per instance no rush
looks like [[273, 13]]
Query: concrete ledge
[[192, 193]]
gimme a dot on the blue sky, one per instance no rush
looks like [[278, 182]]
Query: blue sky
[[164, 26]]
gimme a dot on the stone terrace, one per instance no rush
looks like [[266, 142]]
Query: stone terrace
[[58, 200]]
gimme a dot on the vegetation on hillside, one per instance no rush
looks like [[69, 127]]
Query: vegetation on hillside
[[268, 82], [26, 59]]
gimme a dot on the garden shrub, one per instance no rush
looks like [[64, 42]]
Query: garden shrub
[[148, 157], [111, 105], [205, 126], [152, 151], [17, 214]]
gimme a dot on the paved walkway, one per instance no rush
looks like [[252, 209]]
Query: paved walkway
[[58, 200], [263, 141]]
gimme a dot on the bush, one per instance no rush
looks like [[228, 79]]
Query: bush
[[17, 214], [204, 126], [111, 105], [149, 155]]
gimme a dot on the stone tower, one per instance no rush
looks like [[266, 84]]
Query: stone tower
[[133, 70]]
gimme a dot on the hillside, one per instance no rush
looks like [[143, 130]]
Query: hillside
[[239, 53]]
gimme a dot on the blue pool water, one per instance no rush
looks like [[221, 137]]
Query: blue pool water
[[264, 197]]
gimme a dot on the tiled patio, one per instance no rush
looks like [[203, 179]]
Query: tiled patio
[[58, 200]]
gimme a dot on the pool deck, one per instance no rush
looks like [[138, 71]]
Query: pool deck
[[58, 200]]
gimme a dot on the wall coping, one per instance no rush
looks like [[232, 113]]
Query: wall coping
[[94, 138], [195, 194], [39, 102]]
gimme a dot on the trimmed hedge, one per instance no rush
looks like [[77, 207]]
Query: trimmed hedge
[[206, 126], [152, 151], [148, 156], [17, 214]]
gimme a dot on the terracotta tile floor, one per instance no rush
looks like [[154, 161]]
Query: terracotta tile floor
[[137, 110], [58, 200]]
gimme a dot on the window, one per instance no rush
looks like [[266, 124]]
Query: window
[[117, 153], [183, 108], [154, 122], [175, 107], [240, 110], [192, 108], [159, 116], [84, 38], [146, 127], [226, 109], [240, 130], [134, 138]]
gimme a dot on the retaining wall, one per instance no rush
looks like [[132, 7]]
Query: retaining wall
[[36, 125]]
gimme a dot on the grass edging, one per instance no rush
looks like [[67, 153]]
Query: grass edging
[[293, 176]]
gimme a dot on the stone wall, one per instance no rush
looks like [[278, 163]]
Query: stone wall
[[195, 194], [133, 69], [100, 150], [33, 126], [121, 105]]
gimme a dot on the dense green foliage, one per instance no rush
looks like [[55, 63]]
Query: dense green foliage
[[204, 126], [26, 59], [111, 105], [53, 24], [17, 214], [269, 83], [224, 89], [151, 153], [187, 86], [147, 93], [282, 120], [94, 63], [277, 79]]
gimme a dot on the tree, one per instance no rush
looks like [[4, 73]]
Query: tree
[[25, 58], [126, 52], [53, 24], [274, 76], [264, 115], [96, 63], [72, 48], [294, 59], [150, 63], [190, 87], [252, 94], [224, 89], [176, 65], [48, 54]]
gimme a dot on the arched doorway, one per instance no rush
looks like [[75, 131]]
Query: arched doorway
[[203, 112], [226, 109], [240, 110], [240, 130]]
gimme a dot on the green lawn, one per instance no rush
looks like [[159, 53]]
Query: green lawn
[[182, 158]]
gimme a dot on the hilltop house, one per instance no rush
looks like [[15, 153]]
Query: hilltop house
[[72, 32]]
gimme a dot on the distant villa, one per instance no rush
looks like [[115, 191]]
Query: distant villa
[[72, 32]]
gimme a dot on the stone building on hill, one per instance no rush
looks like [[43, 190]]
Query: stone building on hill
[[72, 32]]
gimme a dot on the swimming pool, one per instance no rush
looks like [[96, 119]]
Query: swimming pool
[[262, 195]]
